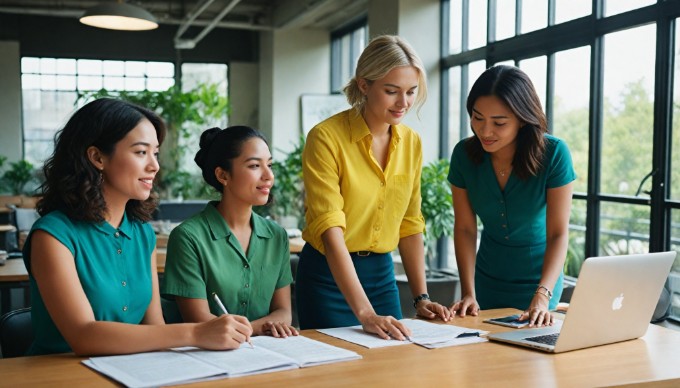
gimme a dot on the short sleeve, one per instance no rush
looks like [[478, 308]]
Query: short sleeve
[[561, 168], [458, 159], [182, 275]]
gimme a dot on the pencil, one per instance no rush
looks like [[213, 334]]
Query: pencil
[[224, 310]]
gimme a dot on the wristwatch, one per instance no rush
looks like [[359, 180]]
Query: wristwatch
[[419, 298]]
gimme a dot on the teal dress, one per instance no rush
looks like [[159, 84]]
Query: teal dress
[[114, 268], [513, 239]]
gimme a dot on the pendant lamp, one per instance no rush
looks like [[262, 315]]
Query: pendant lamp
[[119, 16]]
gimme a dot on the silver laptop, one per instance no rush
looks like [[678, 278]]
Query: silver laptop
[[613, 301]]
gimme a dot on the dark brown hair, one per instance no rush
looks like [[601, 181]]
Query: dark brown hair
[[71, 181], [512, 86]]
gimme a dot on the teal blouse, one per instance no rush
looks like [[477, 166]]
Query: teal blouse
[[204, 256], [513, 239], [114, 268]]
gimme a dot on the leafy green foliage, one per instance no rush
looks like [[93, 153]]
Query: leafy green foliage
[[436, 206], [17, 176], [288, 190], [186, 115]]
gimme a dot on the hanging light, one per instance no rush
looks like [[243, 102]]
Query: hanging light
[[119, 16]]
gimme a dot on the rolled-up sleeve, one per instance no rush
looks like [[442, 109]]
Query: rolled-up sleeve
[[413, 222], [321, 175]]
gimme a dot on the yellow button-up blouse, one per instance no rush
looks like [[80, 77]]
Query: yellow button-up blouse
[[346, 187]]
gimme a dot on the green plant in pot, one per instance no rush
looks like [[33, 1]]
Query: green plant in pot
[[19, 174], [436, 207], [437, 210]]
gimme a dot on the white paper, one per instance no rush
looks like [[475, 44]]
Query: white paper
[[422, 333], [152, 369], [188, 364], [305, 351]]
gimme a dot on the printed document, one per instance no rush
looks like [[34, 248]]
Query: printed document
[[183, 365], [427, 334]]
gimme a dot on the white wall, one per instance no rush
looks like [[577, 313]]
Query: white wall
[[300, 65], [418, 22], [10, 101]]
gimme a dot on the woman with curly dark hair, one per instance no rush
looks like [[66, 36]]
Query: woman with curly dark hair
[[91, 257], [518, 180]]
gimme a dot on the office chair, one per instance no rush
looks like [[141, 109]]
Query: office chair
[[16, 332]]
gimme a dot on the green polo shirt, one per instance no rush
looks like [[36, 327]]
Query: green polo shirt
[[204, 256], [114, 269]]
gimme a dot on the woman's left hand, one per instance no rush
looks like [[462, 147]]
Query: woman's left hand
[[538, 313], [278, 329], [430, 310]]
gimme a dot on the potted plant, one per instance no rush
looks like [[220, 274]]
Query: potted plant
[[437, 210]]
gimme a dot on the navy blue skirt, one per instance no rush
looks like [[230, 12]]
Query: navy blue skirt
[[320, 304]]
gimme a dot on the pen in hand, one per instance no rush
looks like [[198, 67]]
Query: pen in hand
[[224, 310]]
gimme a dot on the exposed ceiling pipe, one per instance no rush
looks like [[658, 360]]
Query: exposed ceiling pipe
[[191, 43]]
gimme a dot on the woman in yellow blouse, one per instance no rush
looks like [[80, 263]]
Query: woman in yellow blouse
[[361, 171]]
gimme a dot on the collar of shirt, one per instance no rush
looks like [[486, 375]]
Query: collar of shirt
[[220, 229], [359, 129], [125, 227]]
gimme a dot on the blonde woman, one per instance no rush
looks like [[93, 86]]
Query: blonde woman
[[361, 172]]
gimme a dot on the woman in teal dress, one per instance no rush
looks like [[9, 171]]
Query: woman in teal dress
[[91, 257], [518, 180]]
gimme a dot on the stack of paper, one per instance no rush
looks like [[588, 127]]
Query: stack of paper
[[191, 364], [427, 334]]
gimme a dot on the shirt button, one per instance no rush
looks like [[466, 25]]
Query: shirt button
[[382, 184], [505, 226], [243, 303], [507, 238], [124, 308], [380, 205], [123, 283], [502, 214], [116, 234], [119, 251], [247, 285], [246, 266], [376, 228]]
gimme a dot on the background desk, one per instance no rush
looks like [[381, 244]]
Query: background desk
[[650, 361]]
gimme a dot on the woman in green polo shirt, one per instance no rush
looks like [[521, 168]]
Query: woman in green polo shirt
[[91, 257], [227, 249]]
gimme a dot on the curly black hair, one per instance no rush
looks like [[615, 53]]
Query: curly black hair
[[71, 181]]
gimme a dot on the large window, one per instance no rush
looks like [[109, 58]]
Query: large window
[[50, 89], [346, 46], [603, 72]]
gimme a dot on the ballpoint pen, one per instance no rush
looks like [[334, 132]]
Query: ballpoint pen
[[224, 310]]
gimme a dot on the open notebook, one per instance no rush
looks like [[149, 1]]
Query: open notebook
[[184, 365], [613, 301]]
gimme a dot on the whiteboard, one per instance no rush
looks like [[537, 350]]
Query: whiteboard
[[314, 108]]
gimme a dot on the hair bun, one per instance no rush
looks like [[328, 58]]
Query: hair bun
[[207, 138]]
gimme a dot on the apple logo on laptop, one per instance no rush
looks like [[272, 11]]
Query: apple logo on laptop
[[617, 303]]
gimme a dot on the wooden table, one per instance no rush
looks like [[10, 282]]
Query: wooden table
[[650, 361]]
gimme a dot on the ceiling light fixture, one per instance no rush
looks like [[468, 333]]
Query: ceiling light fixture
[[119, 16]]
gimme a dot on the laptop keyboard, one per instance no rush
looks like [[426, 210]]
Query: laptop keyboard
[[549, 339]]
